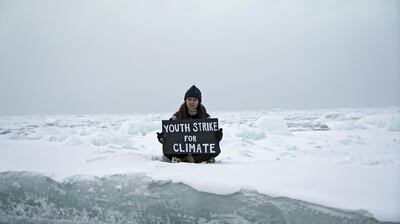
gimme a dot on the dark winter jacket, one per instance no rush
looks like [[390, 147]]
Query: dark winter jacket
[[182, 113]]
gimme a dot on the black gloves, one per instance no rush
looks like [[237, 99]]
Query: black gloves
[[219, 134], [160, 137]]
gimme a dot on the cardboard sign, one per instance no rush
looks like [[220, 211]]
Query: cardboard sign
[[191, 136]]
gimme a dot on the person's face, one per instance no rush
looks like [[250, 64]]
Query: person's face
[[192, 102]]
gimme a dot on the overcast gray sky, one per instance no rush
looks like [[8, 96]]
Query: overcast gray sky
[[124, 56]]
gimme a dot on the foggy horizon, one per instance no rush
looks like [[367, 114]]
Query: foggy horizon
[[97, 57]]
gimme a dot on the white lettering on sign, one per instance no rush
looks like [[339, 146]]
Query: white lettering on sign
[[198, 150], [176, 147], [191, 147], [194, 127], [194, 148], [212, 146], [171, 128], [190, 138], [205, 126]]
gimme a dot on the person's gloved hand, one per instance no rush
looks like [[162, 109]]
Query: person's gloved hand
[[160, 137], [219, 134]]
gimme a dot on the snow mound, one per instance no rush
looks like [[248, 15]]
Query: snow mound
[[385, 121], [73, 141], [273, 124], [251, 133], [388, 122], [142, 128], [111, 139]]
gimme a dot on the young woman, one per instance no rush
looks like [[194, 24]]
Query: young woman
[[191, 109]]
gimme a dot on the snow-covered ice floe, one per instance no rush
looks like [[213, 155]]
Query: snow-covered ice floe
[[32, 198], [280, 166]]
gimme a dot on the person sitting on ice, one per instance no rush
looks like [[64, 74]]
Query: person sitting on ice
[[192, 108]]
